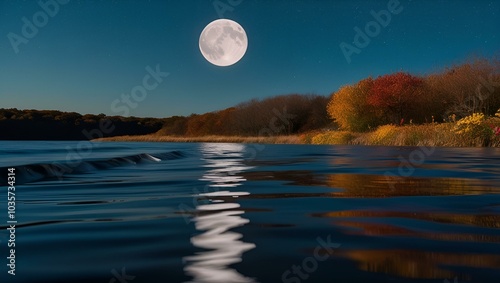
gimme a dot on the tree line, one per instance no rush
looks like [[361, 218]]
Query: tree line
[[56, 125], [279, 115], [398, 98], [401, 98]]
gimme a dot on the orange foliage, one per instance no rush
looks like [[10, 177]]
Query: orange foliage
[[399, 94]]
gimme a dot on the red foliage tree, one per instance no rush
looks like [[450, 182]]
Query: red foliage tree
[[399, 95]]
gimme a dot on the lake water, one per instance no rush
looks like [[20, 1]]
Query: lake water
[[202, 212]]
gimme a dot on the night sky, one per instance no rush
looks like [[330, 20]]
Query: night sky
[[89, 53]]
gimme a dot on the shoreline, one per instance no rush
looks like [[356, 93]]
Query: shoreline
[[293, 139], [431, 135]]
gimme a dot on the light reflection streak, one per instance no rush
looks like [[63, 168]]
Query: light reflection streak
[[223, 246]]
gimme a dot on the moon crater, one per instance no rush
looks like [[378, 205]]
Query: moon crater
[[223, 42]]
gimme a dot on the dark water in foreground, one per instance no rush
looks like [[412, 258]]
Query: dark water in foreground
[[166, 212]]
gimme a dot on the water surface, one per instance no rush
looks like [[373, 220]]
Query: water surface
[[168, 212]]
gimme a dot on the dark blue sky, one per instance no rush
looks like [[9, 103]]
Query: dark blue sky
[[89, 53]]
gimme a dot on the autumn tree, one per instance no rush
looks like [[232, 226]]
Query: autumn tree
[[173, 126], [223, 124], [317, 116], [280, 115], [399, 95], [349, 107], [200, 125], [469, 88]]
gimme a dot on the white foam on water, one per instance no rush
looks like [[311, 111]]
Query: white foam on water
[[150, 157]]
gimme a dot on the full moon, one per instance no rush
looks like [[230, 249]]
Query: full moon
[[223, 42]]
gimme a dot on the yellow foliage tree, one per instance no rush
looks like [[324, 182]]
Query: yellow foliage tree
[[349, 108]]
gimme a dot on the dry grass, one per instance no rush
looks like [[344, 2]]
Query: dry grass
[[445, 134], [215, 139], [410, 135], [334, 137]]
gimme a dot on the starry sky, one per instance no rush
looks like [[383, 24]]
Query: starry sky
[[84, 55]]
